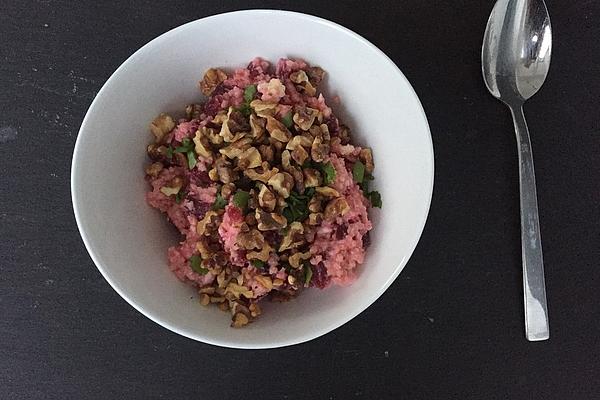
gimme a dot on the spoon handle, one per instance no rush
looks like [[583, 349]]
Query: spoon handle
[[534, 287]]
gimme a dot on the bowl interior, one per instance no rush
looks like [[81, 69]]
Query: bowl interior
[[128, 240]]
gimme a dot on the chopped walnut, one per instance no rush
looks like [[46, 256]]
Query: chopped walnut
[[296, 259], [282, 183], [254, 309], [298, 179], [227, 190], [173, 187], [319, 150], [220, 117], [204, 251], [204, 225], [161, 126], [239, 290], [366, 156], [263, 109], [234, 127], [315, 75], [312, 177], [336, 207], [286, 158], [300, 140], [250, 220], [327, 192], [224, 170], [235, 149], [277, 130], [239, 320], [212, 78], [202, 146], [211, 134], [265, 281], [156, 152], [267, 153], [270, 221], [213, 175], [305, 117], [262, 255], [266, 199], [250, 158], [293, 238], [207, 290], [204, 299], [257, 126], [298, 76], [300, 155], [315, 204], [154, 169], [302, 82], [344, 134], [262, 174], [251, 240], [193, 111], [315, 218]]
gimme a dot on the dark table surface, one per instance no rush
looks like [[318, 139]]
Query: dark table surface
[[451, 326]]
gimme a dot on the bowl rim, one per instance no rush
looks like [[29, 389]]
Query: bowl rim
[[317, 332]]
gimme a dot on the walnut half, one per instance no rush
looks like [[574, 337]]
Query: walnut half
[[212, 78], [270, 221], [161, 126]]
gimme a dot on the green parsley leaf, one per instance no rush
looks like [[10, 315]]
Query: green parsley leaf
[[219, 203], [186, 145], [240, 199], [297, 208], [328, 173], [258, 264], [191, 156], [287, 120], [308, 273], [375, 199], [179, 196], [358, 172], [196, 264], [249, 93], [245, 109], [169, 152], [310, 192]]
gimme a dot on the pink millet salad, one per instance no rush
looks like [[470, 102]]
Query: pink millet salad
[[263, 183]]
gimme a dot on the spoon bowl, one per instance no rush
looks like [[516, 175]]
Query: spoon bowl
[[516, 49]]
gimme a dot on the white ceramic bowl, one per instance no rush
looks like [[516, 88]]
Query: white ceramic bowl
[[128, 240]]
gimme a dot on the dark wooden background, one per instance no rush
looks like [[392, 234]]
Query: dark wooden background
[[450, 327]]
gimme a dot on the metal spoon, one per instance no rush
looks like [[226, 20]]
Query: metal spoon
[[515, 60]]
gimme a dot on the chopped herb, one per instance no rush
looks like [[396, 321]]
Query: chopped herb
[[196, 264], [179, 196], [240, 199], [328, 173], [358, 172], [287, 120], [186, 145], [308, 273], [249, 93], [375, 199], [310, 192], [191, 156], [245, 109], [169, 152], [219, 203], [258, 264], [297, 208]]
